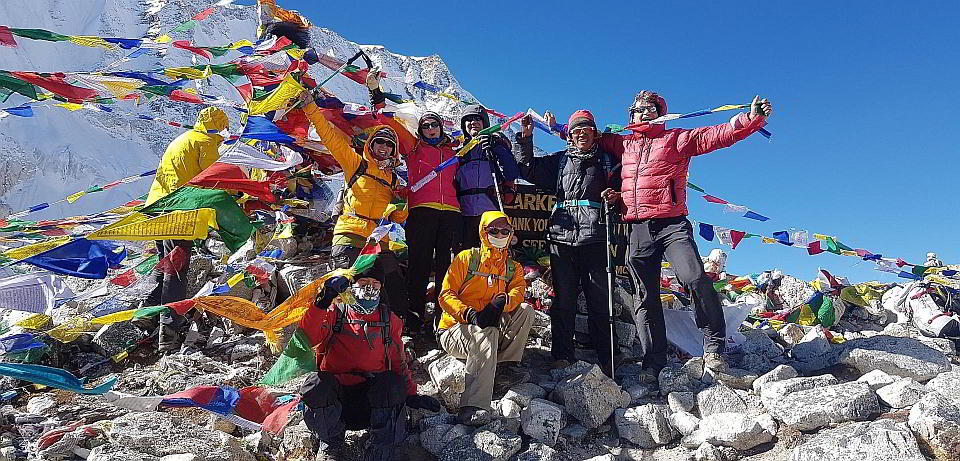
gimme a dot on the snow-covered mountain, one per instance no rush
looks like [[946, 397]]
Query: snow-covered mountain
[[58, 152]]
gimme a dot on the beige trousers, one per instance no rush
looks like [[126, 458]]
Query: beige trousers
[[483, 348]]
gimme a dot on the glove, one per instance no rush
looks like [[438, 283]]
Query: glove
[[499, 301], [373, 78], [423, 402], [377, 97], [331, 288], [488, 317], [484, 142], [311, 56]]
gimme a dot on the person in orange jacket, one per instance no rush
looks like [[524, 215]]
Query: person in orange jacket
[[371, 184], [483, 319]]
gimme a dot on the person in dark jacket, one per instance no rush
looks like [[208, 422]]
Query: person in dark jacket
[[578, 176], [362, 379], [475, 188]]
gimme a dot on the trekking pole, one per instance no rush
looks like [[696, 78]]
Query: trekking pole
[[610, 319], [495, 167]]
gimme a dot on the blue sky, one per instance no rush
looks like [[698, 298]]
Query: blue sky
[[864, 102]]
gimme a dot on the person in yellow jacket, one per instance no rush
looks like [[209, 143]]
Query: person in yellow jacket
[[370, 185], [185, 157], [483, 319]]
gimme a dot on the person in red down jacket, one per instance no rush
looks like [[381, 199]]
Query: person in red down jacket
[[434, 225], [362, 379], [653, 193]]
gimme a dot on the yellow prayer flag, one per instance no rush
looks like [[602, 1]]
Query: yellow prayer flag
[[76, 196], [667, 299], [806, 317], [820, 236], [277, 99], [71, 106], [34, 322], [121, 88], [849, 253], [176, 225], [163, 39], [27, 251], [91, 41], [240, 43], [237, 278], [284, 231], [70, 330], [769, 240], [296, 53], [664, 265], [730, 107], [448, 96], [188, 72], [115, 317], [122, 355]]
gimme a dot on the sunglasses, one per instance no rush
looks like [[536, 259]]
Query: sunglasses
[[473, 118], [430, 125], [496, 231], [643, 109], [581, 131], [377, 141]]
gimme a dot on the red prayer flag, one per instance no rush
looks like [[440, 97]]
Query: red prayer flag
[[231, 177], [185, 45], [125, 279], [861, 252], [180, 95], [713, 199], [203, 14], [245, 90], [901, 263], [6, 37], [814, 248], [112, 184], [736, 236], [173, 262], [181, 307], [56, 84]]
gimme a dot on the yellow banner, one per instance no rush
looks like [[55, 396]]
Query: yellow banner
[[115, 317], [277, 99], [176, 225], [188, 72], [76, 196], [34, 322], [70, 330], [34, 249], [71, 106], [91, 41]]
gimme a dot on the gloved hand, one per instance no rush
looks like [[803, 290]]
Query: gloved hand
[[331, 288], [423, 402], [499, 301], [488, 317], [373, 78]]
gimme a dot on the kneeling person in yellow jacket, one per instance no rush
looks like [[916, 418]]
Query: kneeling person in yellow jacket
[[483, 321]]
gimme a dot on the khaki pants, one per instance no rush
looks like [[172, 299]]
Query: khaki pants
[[483, 348]]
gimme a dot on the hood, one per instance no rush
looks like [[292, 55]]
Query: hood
[[488, 250], [473, 109], [211, 118]]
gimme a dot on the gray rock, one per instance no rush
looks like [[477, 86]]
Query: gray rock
[[482, 445], [244, 352], [812, 346], [647, 425], [685, 423], [682, 401], [780, 373], [935, 421], [297, 442], [733, 430], [901, 394], [590, 397], [720, 399], [110, 452], [876, 379], [758, 342], [113, 338], [161, 434], [676, 380], [947, 385], [537, 452], [180, 457], [737, 378], [811, 409], [944, 345], [906, 357], [880, 439], [525, 392], [449, 376], [775, 391], [509, 408], [707, 452], [542, 420], [574, 433], [791, 334], [639, 391], [41, 404]]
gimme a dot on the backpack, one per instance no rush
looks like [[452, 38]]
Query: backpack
[[383, 324], [474, 264], [347, 188]]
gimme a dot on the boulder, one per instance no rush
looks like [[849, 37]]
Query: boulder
[[537, 452], [906, 357], [574, 433], [947, 385], [435, 438], [509, 408], [482, 445], [720, 399], [880, 439], [590, 396], [542, 420], [791, 334], [876, 379], [758, 342], [682, 401], [901, 394], [525, 392], [110, 452], [685, 423], [673, 379], [935, 421], [811, 409], [647, 426], [449, 376], [775, 391], [707, 452], [41, 405], [161, 434], [780, 373], [813, 345], [735, 430]]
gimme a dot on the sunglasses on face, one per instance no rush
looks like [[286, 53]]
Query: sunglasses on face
[[381, 141], [498, 231], [473, 118], [430, 125], [644, 109], [581, 131]]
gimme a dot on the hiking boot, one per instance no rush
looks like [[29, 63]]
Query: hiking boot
[[507, 377], [170, 340], [715, 362], [473, 416], [330, 453], [559, 364]]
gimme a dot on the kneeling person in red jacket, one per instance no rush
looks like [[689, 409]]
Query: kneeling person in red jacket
[[362, 381]]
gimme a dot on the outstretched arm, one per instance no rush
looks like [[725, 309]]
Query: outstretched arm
[[337, 142], [700, 141]]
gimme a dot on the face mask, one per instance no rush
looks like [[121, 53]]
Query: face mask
[[499, 242], [368, 298]]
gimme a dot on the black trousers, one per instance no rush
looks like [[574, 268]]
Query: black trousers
[[470, 237], [171, 287], [394, 286], [651, 241], [577, 268], [431, 237], [376, 404]]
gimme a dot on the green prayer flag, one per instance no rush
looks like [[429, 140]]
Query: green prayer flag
[[831, 245], [919, 270], [234, 226], [94, 188], [39, 34], [8, 81], [826, 315], [297, 359], [147, 265], [149, 311], [4, 94], [184, 27], [695, 187]]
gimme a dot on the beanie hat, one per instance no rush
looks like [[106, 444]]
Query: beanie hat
[[385, 134], [374, 272], [581, 118], [427, 116]]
